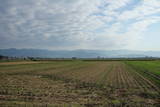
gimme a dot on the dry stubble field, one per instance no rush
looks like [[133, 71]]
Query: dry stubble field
[[80, 84]]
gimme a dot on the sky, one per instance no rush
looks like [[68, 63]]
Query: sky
[[80, 24]]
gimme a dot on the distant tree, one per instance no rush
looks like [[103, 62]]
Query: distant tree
[[98, 57], [74, 58], [1, 57], [32, 58]]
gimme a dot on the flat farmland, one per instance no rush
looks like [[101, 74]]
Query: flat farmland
[[80, 83]]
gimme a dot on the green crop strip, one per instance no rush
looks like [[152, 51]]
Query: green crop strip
[[144, 71]]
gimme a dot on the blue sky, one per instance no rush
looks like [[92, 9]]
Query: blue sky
[[80, 24]]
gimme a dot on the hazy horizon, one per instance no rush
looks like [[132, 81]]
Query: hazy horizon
[[80, 24], [76, 49]]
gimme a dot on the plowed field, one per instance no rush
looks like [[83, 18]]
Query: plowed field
[[80, 84]]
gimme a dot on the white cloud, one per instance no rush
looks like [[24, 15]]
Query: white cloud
[[116, 4], [144, 9], [93, 24]]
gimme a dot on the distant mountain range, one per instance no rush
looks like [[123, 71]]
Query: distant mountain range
[[77, 53]]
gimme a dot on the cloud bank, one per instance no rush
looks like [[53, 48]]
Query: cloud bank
[[75, 24]]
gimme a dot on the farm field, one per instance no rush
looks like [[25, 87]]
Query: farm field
[[78, 83]]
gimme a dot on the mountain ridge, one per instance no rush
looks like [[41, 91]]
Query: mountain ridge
[[80, 53]]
